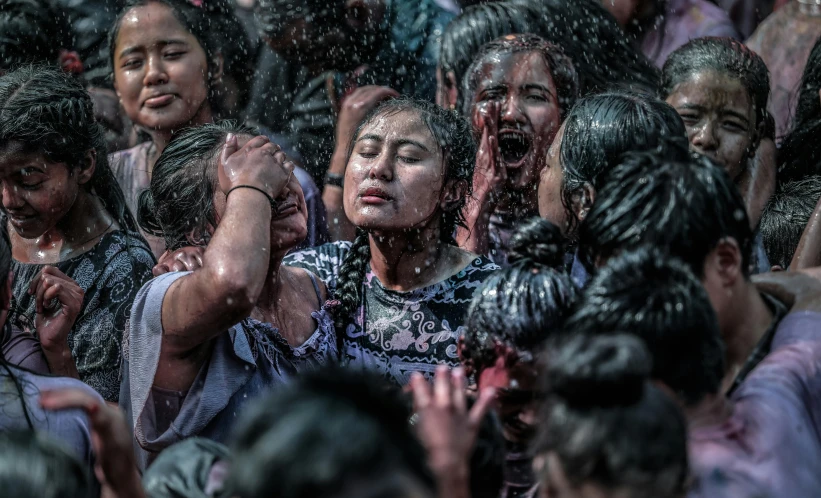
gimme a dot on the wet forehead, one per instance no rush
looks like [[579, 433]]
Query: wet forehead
[[150, 25], [515, 69], [393, 128], [712, 90]]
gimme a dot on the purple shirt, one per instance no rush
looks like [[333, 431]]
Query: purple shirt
[[770, 445], [683, 21]]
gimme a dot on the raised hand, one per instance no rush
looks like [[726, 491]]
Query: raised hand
[[490, 175], [58, 301], [183, 259], [259, 163]]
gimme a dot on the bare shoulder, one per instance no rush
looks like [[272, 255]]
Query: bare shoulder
[[305, 280]]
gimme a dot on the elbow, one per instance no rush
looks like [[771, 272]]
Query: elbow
[[237, 294]]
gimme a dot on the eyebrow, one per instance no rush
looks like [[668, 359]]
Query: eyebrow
[[399, 143], [538, 86], [736, 114], [162, 43]]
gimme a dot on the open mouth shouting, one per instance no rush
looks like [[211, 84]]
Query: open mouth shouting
[[514, 147]]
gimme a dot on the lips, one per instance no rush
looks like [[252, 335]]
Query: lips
[[20, 219], [374, 195], [159, 101], [514, 147]]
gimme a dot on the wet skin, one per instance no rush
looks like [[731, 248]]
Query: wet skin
[[551, 207], [516, 384], [720, 118]]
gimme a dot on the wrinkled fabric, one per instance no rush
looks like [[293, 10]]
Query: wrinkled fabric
[[770, 445], [21, 349], [185, 469], [110, 274], [784, 40], [398, 333], [249, 359], [683, 21]]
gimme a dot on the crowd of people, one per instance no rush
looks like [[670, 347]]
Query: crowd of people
[[395, 248]]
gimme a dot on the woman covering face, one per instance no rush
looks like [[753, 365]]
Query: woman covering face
[[520, 89], [403, 286]]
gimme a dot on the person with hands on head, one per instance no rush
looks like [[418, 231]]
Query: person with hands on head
[[201, 344], [517, 92], [355, 107], [78, 258]]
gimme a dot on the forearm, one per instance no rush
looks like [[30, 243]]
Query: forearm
[[339, 227], [60, 360], [475, 236]]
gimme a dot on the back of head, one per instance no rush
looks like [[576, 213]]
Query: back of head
[[680, 202], [49, 112], [800, 152], [33, 467], [724, 56], [658, 299], [560, 66], [179, 206], [785, 217], [601, 128], [603, 55], [606, 424], [32, 32], [522, 305], [326, 433]]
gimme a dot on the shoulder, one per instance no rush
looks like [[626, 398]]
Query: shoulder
[[122, 161], [712, 20], [324, 261]]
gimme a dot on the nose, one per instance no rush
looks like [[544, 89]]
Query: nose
[[704, 138], [12, 197], [155, 73], [382, 168], [511, 112]]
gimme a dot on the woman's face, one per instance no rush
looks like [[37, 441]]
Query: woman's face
[[396, 174], [551, 178], [36, 192], [160, 71], [719, 116], [516, 384], [289, 225], [529, 115]]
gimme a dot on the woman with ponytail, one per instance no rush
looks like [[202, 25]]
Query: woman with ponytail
[[75, 246], [403, 285], [510, 319]]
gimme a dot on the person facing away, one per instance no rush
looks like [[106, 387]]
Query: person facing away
[[762, 439], [69, 225], [202, 344]]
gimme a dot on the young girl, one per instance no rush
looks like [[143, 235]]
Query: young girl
[[403, 286], [202, 344], [72, 236], [166, 64]]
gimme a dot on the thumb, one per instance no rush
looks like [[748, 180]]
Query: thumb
[[231, 146]]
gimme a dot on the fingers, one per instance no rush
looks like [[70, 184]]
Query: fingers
[[65, 399], [459, 388], [231, 147], [421, 391], [442, 390], [481, 407], [160, 269]]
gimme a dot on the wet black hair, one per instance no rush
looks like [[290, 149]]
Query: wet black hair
[[560, 66], [607, 424], [32, 32], [32, 466], [286, 445], [487, 461], [604, 57], [473, 28], [786, 215], [274, 15], [678, 201], [658, 299], [600, 129], [522, 305], [800, 152], [179, 205], [50, 112], [725, 56], [455, 140], [204, 24]]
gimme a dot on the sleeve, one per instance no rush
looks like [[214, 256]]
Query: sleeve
[[23, 350], [323, 261], [102, 326]]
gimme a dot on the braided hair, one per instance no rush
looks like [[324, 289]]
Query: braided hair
[[455, 140], [560, 66], [51, 113]]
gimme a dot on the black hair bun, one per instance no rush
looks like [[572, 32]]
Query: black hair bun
[[538, 242], [589, 371]]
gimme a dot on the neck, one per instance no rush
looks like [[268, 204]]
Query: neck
[[76, 232], [746, 330], [268, 299], [522, 203], [711, 411], [160, 138], [410, 260]]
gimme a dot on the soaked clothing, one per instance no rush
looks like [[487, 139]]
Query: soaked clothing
[[398, 333], [683, 21], [747, 14], [21, 349], [67, 427], [784, 40], [110, 274], [249, 359], [130, 168], [771, 441]]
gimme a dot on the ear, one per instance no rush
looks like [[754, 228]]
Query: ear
[[454, 192], [219, 63], [451, 90], [583, 201], [726, 262], [86, 171]]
